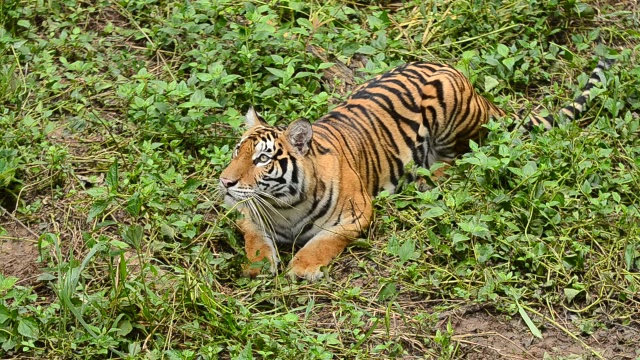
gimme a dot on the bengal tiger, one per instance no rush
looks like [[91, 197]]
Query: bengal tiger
[[313, 184]]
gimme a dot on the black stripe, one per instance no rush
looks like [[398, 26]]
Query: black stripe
[[359, 126]]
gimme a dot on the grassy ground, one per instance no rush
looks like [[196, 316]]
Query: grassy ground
[[116, 119]]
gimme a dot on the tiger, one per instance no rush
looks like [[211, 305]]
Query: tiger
[[313, 184]]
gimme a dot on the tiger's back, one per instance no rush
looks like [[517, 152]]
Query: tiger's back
[[418, 112]]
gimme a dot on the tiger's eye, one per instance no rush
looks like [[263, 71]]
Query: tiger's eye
[[264, 158]]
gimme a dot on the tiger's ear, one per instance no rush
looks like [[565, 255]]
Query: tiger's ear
[[299, 135], [254, 119]]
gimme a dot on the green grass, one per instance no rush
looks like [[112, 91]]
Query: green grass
[[116, 119]]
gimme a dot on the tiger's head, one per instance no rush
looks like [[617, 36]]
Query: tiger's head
[[267, 164]]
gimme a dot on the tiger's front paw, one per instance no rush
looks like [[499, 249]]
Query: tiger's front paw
[[302, 268], [255, 268]]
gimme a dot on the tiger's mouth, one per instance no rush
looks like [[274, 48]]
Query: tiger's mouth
[[228, 198], [235, 196]]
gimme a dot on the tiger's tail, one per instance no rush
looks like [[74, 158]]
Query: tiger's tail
[[579, 104]]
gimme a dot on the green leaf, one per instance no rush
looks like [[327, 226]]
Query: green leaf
[[584, 10], [5, 314], [125, 327], [367, 50], [509, 62], [97, 208], [9, 344], [361, 244], [290, 317], [503, 50], [388, 291], [303, 74], [167, 231], [586, 187], [229, 78], [47, 277], [67, 287], [134, 204], [570, 294], [28, 328], [595, 92], [458, 237], [7, 283], [97, 192], [616, 197], [529, 169], [112, 177], [516, 171], [290, 70], [433, 212], [206, 77], [277, 72], [270, 92], [469, 55], [483, 252], [532, 327], [277, 59], [327, 65], [119, 244], [407, 250], [132, 234], [180, 223], [629, 256], [490, 83], [247, 353], [197, 97]]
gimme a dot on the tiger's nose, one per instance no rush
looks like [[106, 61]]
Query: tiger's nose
[[227, 183]]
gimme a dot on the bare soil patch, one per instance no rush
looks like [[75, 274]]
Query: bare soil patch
[[18, 252], [487, 336]]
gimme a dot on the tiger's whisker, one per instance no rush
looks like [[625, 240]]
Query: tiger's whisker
[[270, 207]]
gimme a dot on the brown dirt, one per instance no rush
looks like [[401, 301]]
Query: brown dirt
[[486, 336], [18, 252]]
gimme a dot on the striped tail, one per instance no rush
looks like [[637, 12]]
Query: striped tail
[[579, 105]]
